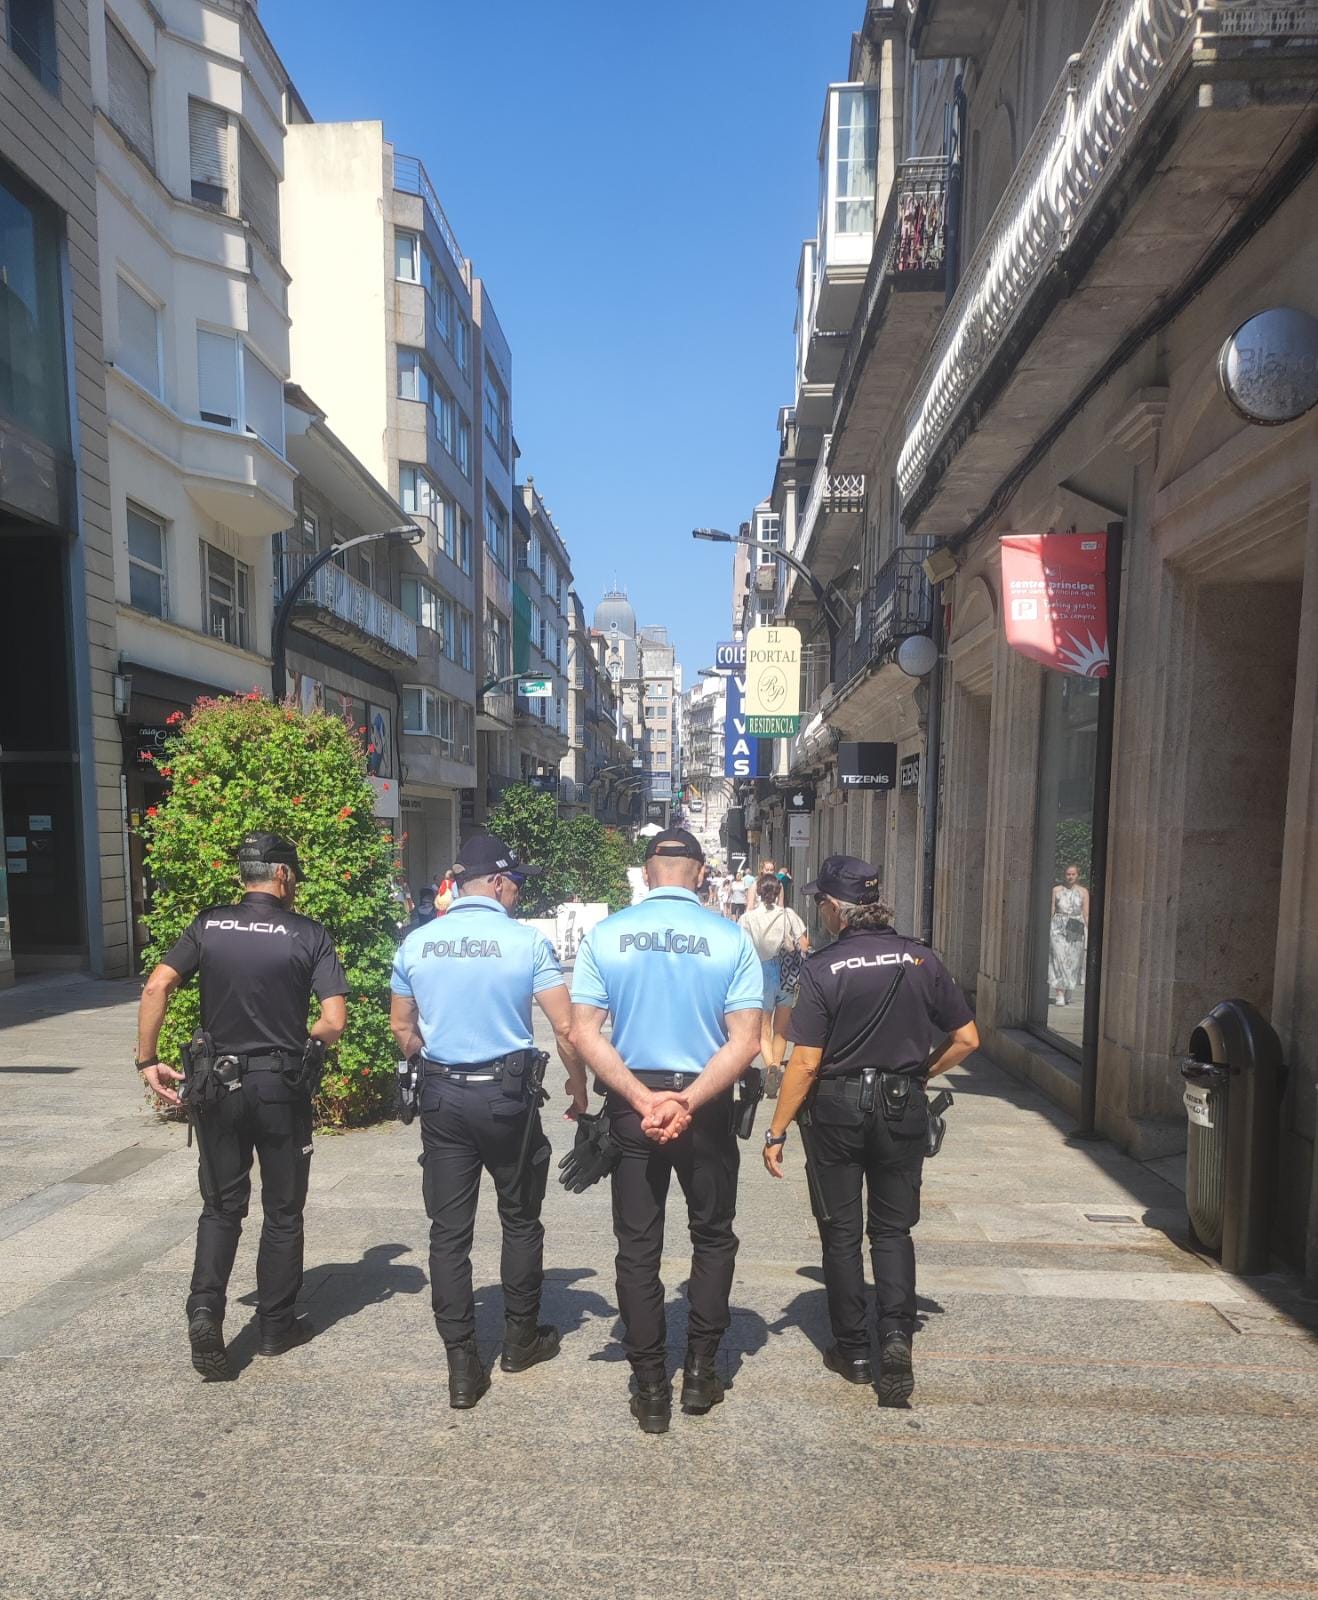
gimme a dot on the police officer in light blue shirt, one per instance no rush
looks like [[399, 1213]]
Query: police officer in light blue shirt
[[684, 988], [462, 992]]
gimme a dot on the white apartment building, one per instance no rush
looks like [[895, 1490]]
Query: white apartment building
[[191, 103], [384, 341]]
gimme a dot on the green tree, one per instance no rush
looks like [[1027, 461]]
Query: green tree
[[245, 765], [582, 856]]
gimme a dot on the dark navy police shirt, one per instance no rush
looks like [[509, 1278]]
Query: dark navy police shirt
[[843, 986], [259, 967]]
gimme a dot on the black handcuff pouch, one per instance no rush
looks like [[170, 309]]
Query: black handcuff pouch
[[895, 1091]]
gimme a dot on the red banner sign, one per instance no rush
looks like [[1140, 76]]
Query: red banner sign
[[1054, 589]]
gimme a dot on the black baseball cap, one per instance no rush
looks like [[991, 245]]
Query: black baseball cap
[[271, 849], [675, 842], [847, 878], [483, 855]]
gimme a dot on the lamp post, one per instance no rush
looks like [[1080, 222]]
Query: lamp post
[[826, 595], [410, 534]]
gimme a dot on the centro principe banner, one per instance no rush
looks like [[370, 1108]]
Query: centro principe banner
[[1054, 588]]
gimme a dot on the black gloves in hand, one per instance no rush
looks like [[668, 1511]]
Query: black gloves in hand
[[593, 1155]]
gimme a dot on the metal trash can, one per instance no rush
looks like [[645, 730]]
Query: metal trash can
[[1233, 1079]]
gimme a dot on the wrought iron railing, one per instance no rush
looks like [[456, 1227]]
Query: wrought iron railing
[[412, 178], [911, 251], [830, 493], [336, 591], [1134, 50]]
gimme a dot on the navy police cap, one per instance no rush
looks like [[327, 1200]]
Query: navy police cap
[[269, 849], [483, 856], [847, 878], [675, 842]]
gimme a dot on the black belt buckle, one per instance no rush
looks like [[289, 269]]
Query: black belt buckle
[[868, 1086]]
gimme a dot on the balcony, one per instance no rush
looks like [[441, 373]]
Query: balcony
[[337, 608], [237, 478], [898, 604], [410, 177], [848, 173], [905, 293], [944, 28], [829, 521], [1154, 143]]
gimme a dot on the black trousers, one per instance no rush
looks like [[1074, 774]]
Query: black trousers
[[467, 1129], [857, 1151], [267, 1119], [705, 1160]]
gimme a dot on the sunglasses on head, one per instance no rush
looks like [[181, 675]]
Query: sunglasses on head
[[517, 879]]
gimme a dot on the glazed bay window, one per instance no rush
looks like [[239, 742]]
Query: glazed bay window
[[855, 161], [139, 336], [463, 456], [420, 709], [225, 591], [407, 256], [464, 638], [496, 411], [418, 495], [146, 562], [443, 413], [498, 644], [236, 389], [419, 601], [464, 542], [413, 379], [461, 342], [496, 530], [442, 300]]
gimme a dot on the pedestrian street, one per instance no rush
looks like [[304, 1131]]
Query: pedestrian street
[[1098, 1410]]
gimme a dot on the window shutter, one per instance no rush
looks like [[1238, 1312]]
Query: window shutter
[[130, 93], [264, 396], [139, 347], [258, 191], [208, 144], [217, 377]]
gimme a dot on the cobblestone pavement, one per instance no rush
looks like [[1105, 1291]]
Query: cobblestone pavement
[[1099, 1411]]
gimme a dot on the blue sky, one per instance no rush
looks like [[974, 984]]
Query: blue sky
[[633, 182]]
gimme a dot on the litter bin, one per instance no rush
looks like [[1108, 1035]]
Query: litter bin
[[1233, 1078]]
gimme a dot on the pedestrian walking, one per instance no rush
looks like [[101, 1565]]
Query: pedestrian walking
[[683, 987], [877, 1015], [251, 1073], [780, 940], [462, 995], [738, 894]]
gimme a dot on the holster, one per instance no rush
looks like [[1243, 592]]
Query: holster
[[522, 1073], [410, 1073], [207, 1077], [310, 1070], [750, 1093], [937, 1123], [895, 1093]]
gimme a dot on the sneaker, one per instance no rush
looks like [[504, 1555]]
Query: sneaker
[[652, 1405], [297, 1332], [525, 1343], [855, 1369], [467, 1377], [896, 1372], [702, 1388], [206, 1336]]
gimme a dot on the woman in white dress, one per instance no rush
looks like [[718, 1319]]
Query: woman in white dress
[[1067, 935]]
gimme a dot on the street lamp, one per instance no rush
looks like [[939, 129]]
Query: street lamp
[[410, 534], [827, 596]]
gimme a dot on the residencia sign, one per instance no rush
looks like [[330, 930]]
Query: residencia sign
[[1055, 592], [773, 682]]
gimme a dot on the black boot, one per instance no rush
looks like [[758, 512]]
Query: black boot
[[896, 1373], [525, 1343], [855, 1369], [702, 1388], [652, 1405], [206, 1336], [297, 1332], [467, 1378]]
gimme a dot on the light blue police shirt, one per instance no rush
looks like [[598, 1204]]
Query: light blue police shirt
[[668, 971], [472, 973]]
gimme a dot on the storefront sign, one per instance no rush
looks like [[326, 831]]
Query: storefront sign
[[1055, 600], [148, 744], [773, 681], [535, 688], [908, 774], [731, 653], [1268, 368], [741, 753], [798, 833], [800, 802], [867, 766]]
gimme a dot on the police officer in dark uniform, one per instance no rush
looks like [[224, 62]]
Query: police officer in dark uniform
[[259, 963], [462, 992], [684, 987], [877, 1015]]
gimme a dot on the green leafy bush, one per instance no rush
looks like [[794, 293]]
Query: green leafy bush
[[244, 765], [583, 857], [1073, 846]]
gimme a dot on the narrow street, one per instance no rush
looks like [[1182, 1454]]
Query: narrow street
[[1099, 1411]]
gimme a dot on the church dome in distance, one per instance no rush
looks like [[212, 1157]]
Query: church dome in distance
[[615, 610]]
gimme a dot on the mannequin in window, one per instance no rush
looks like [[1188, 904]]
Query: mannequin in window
[[1068, 931]]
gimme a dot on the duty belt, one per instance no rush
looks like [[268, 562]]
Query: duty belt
[[260, 1060], [476, 1071], [676, 1081], [841, 1082]]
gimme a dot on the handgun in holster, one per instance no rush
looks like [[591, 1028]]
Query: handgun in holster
[[937, 1123], [410, 1073], [207, 1075], [307, 1074], [533, 1072], [750, 1092]]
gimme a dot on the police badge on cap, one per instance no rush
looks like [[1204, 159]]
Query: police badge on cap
[[847, 878], [270, 849]]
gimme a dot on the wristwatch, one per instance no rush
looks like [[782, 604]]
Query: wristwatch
[[771, 1138], [141, 1066]]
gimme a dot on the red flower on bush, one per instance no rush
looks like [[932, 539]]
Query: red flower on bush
[[145, 755], [166, 772], [194, 781], [297, 799], [174, 718], [252, 694], [345, 813], [151, 811], [217, 865], [347, 876]]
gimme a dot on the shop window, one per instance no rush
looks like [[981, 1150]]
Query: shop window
[[32, 391], [1063, 856]]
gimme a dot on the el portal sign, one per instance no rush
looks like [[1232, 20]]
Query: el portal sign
[[773, 682]]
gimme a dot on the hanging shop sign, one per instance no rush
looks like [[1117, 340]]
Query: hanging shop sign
[[800, 802], [741, 752], [798, 833], [908, 773], [773, 682], [1268, 368], [871, 765], [731, 653], [535, 688], [1055, 592]]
